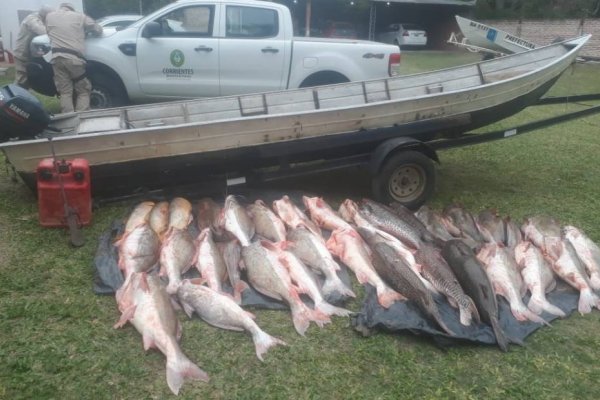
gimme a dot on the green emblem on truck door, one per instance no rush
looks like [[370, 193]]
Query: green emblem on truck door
[[177, 58]]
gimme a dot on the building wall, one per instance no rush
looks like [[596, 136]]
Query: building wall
[[13, 12], [543, 32]]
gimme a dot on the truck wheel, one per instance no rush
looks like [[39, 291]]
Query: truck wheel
[[106, 93], [407, 177]]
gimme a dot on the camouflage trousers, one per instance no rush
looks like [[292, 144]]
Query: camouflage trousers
[[71, 84]]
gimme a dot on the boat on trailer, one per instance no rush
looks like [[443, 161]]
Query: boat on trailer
[[159, 145]]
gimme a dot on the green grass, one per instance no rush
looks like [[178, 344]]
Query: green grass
[[57, 341]]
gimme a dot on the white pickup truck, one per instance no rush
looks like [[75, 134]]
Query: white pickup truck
[[207, 48]]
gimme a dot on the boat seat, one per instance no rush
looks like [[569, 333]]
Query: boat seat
[[99, 124]]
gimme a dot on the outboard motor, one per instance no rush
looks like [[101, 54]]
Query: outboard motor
[[21, 114]]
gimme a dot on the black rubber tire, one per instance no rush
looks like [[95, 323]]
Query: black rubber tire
[[106, 92], [407, 177]]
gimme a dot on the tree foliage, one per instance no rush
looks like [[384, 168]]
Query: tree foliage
[[537, 9]]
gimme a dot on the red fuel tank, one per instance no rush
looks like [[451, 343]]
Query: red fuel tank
[[75, 175]]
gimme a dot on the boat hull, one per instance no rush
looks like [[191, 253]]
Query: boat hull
[[175, 143]]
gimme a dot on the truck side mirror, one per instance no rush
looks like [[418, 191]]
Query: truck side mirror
[[151, 29]]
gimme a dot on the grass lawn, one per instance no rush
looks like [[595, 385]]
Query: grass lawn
[[57, 340]]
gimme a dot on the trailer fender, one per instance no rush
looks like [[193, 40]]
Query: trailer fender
[[385, 149]]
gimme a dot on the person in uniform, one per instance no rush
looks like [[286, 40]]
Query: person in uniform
[[67, 29], [32, 25]]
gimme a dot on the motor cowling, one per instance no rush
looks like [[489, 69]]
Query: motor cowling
[[22, 115]]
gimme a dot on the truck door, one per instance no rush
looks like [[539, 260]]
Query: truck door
[[181, 59], [252, 51]]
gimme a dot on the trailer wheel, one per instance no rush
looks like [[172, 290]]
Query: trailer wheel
[[407, 177]]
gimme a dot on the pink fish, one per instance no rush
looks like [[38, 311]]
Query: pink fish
[[144, 302], [348, 246], [292, 216], [323, 215]]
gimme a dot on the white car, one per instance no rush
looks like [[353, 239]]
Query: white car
[[404, 35], [210, 48]]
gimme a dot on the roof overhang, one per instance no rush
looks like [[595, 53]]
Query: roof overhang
[[470, 3]]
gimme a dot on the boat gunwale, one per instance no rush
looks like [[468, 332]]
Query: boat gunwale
[[578, 42]]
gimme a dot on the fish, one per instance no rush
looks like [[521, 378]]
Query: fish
[[513, 234], [545, 233], [268, 225], [392, 268], [138, 250], [349, 212], [176, 256], [435, 269], [381, 217], [323, 215], [407, 216], [588, 252], [267, 275], [463, 221], [568, 267], [221, 311], [349, 247], [491, 226], [232, 255], [208, 215], [138, 216], [180, 213], [209, 261], [144, 303], [159, 218], [501, 268], [312, 250], [305, 281], [237, 222], [433, 222], [476, 284], [292, 216], [538, 278]]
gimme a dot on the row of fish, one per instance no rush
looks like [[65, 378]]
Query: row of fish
[[279, 250]]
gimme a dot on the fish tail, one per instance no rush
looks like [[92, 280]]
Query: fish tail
[[438, 318], [263, 341], [387, 296], [330, 309], [302, 315], [522, 313], [468, 311], [587, 301], [538, 304], [334, 284], [501, 338], [180, 369]]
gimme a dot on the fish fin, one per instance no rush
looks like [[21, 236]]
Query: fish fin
[[329, 309], [250, 315], [237, 291], [595, 280], [144, 283], [148, 342], [189, 310], [263, 341], [181, 369], [387, 296], [587, 301], [125, 316], [501, 338]]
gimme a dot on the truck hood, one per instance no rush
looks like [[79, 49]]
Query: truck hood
[[40, 45]]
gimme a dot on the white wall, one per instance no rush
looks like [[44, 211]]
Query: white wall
[[10, 10]]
